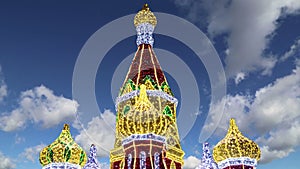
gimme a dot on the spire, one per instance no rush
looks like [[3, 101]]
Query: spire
[[236, 149], [207, 161], [146, 106], [63, 152], [92, 162], [145, 22]]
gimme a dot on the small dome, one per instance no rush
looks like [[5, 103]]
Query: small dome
[[145, 16], [63, 150], [235, 145]]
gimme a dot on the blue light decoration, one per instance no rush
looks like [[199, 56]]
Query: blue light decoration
[[207, 162], [92, 162]]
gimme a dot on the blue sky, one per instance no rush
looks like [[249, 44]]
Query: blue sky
[[257, 42]]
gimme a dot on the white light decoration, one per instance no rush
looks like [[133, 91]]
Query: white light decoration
[[156, 160], [64, 165], [149, 136], [154, 93], [238, 161], [129, 161], [144, 34], [143, 160]]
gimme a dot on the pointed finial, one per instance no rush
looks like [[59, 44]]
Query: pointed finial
[[232, 122], [146, 7], [66, 127]]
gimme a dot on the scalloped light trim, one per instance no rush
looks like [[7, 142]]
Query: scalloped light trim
[[62, 165], [149, 136], [237, 161], [154, 93]]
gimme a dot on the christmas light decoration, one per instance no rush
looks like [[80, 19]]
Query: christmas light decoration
[[146, 109], [207, 161], [63, 153], [92, 162], [236, 151]]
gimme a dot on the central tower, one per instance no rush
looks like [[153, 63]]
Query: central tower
[[146, 130]]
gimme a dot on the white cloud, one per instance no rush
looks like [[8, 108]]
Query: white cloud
[[249, 26], [294, 51], [269, 155], [191, 162], [101, 132], [32, 153], [272, 116], [239, 77], [39, 105], [13, 121], [6, 163], [46, 108]]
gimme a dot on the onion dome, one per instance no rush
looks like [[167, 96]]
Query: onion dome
[[92, 162], [63, 152], [236, 149], [207, 162], [143, 117]]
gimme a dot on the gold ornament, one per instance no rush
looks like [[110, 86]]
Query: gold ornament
[[145, 16]]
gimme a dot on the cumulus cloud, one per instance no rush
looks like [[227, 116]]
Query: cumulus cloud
[[248, 26], [239, 77], [5, 162], [191, 162], [271, 116], [32, 153], [40, 106], [99, 131]]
